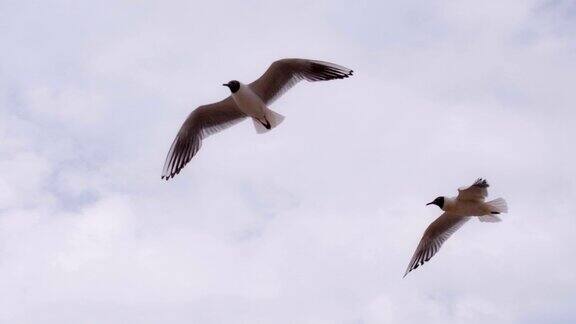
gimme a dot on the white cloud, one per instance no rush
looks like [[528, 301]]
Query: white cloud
[[314, 222]]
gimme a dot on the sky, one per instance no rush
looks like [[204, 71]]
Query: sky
[[315, 221]]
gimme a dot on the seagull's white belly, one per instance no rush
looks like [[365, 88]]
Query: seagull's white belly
[[249, 102]]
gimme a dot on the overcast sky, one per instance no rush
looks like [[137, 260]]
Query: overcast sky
[[314, 222]]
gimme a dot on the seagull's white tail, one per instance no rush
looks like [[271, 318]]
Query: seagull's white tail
[[498, 206], [490, 219], [273, 118]]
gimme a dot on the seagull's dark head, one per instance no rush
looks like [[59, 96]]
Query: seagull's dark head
[[233, 85], [438, 202]]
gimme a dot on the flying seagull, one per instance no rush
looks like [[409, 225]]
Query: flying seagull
[[250, 100], [457, 211]]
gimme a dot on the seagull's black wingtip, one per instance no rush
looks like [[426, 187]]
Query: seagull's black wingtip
[[482, 183]]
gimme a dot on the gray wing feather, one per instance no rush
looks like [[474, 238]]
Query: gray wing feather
[[434, 236], [201, 123], [478, 191], [284, 74]]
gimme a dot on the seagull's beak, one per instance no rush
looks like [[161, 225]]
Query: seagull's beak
[[430, 203], [225, 84]]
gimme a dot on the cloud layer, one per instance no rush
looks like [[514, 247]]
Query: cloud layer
[[315, 221]]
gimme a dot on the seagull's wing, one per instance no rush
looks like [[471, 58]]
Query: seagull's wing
[[283, 74], [478, 191], [434, 236], [201, 123]]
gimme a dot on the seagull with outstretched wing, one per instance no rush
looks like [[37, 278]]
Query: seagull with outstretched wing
[[250, 100], [457, 211]]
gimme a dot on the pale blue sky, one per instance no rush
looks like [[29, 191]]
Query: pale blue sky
[[314, 222]]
